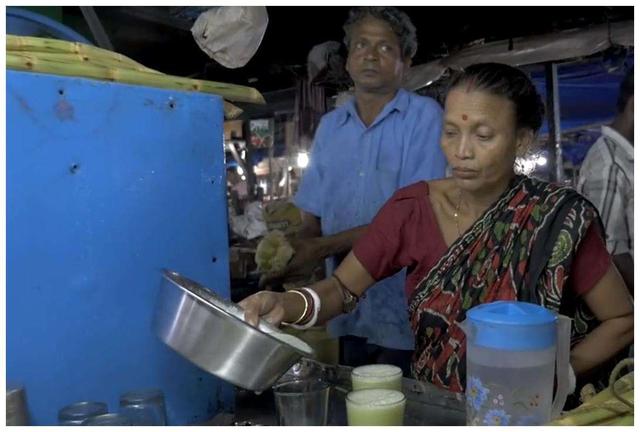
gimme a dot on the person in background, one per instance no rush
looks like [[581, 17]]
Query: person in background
[[606, 179], [486, 234], [380, 140]]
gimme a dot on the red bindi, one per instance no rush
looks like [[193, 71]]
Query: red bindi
[[464, 117]]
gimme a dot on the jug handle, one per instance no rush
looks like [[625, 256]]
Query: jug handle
[[563, 348]]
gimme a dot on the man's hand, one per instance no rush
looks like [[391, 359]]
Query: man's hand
[[307, 253], [264, 304]]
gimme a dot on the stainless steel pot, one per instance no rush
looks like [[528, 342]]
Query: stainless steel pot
[[211, 332]]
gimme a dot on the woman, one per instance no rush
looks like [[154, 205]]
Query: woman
[[485, 234]]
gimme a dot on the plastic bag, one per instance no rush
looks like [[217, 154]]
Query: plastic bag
[[231, 35]]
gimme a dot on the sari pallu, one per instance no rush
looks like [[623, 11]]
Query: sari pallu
[[520, 249]]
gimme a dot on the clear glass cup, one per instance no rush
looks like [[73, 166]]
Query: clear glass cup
[[75, 414], [382, 376], [144, 407], [302, 402], [111, 419], [375, 407]]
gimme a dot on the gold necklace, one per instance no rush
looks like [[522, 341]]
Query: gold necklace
[[456, 213]]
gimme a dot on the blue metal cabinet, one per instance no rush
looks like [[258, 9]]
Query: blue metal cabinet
[[106, 185]]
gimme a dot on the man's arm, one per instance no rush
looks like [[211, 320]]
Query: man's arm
[[609, 197], [310, 225], [310, 247], [310, 250], [339, 243]]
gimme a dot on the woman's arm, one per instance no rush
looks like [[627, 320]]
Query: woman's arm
[[610, 302], [288, 307]]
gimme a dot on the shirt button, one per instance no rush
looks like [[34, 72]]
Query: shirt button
[[361, 174]]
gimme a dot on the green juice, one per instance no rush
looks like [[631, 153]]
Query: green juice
[[375, 407], [381, 376]]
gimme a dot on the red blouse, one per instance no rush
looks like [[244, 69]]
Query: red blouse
[[405, 233]]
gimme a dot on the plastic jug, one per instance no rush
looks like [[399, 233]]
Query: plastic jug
[[514, 349]]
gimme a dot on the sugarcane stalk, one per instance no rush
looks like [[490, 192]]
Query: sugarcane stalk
[[236, 93], [622, 385], [626, 420], [595, 412], [74, 59], [54, 46]]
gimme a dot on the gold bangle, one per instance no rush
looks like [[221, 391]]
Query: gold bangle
[[306, 307]]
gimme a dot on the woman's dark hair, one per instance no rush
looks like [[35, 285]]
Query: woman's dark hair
[[509, 82], [399, 22], [626, 90]]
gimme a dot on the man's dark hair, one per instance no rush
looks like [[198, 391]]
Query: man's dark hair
[[626, 90], [509, 82], [399, 22]]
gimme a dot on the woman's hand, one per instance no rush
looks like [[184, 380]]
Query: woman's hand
[[267, 305]]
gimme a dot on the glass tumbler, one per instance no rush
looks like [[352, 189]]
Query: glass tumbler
[[144, 407], [75, 414], [111, 419], [302, 402]]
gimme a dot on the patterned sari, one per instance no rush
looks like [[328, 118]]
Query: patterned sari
[[521, 248]]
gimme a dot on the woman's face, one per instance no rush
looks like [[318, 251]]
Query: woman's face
[[480, 138]]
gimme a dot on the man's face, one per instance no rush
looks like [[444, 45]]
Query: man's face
[[375, 60]]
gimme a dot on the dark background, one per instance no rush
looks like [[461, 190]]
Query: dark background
[[160, 37]]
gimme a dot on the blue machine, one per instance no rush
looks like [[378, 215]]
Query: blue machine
[[23, 22], [106, 185]]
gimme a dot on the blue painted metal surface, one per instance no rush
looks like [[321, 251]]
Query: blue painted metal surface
[[106, 185], [23, 22]]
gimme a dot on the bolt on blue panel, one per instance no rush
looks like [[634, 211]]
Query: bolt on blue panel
[[106, 185]]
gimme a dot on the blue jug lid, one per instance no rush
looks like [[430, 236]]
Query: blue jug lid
[[513, 326]]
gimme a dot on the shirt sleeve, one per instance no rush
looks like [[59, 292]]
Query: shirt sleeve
[[424, 159], [383, 249], [591, 263], [309, 195], [607, 190]]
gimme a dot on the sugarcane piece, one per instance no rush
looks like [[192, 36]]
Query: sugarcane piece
[[613, 378], [587, 392], [231, 111], [273, 252], [31, 62]]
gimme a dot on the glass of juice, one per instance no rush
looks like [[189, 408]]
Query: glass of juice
[[375, 407], [381, 376]]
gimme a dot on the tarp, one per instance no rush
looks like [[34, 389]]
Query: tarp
[[588, 91], [557, 46]]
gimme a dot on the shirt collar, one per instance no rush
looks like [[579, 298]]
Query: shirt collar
[[400, 103], [624, 143]]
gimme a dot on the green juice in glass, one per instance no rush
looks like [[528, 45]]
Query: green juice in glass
[[375, 407], [381, 376]]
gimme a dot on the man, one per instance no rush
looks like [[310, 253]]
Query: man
[[382, 139], [606, 179]]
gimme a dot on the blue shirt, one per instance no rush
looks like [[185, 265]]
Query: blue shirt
[[353, 170]]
